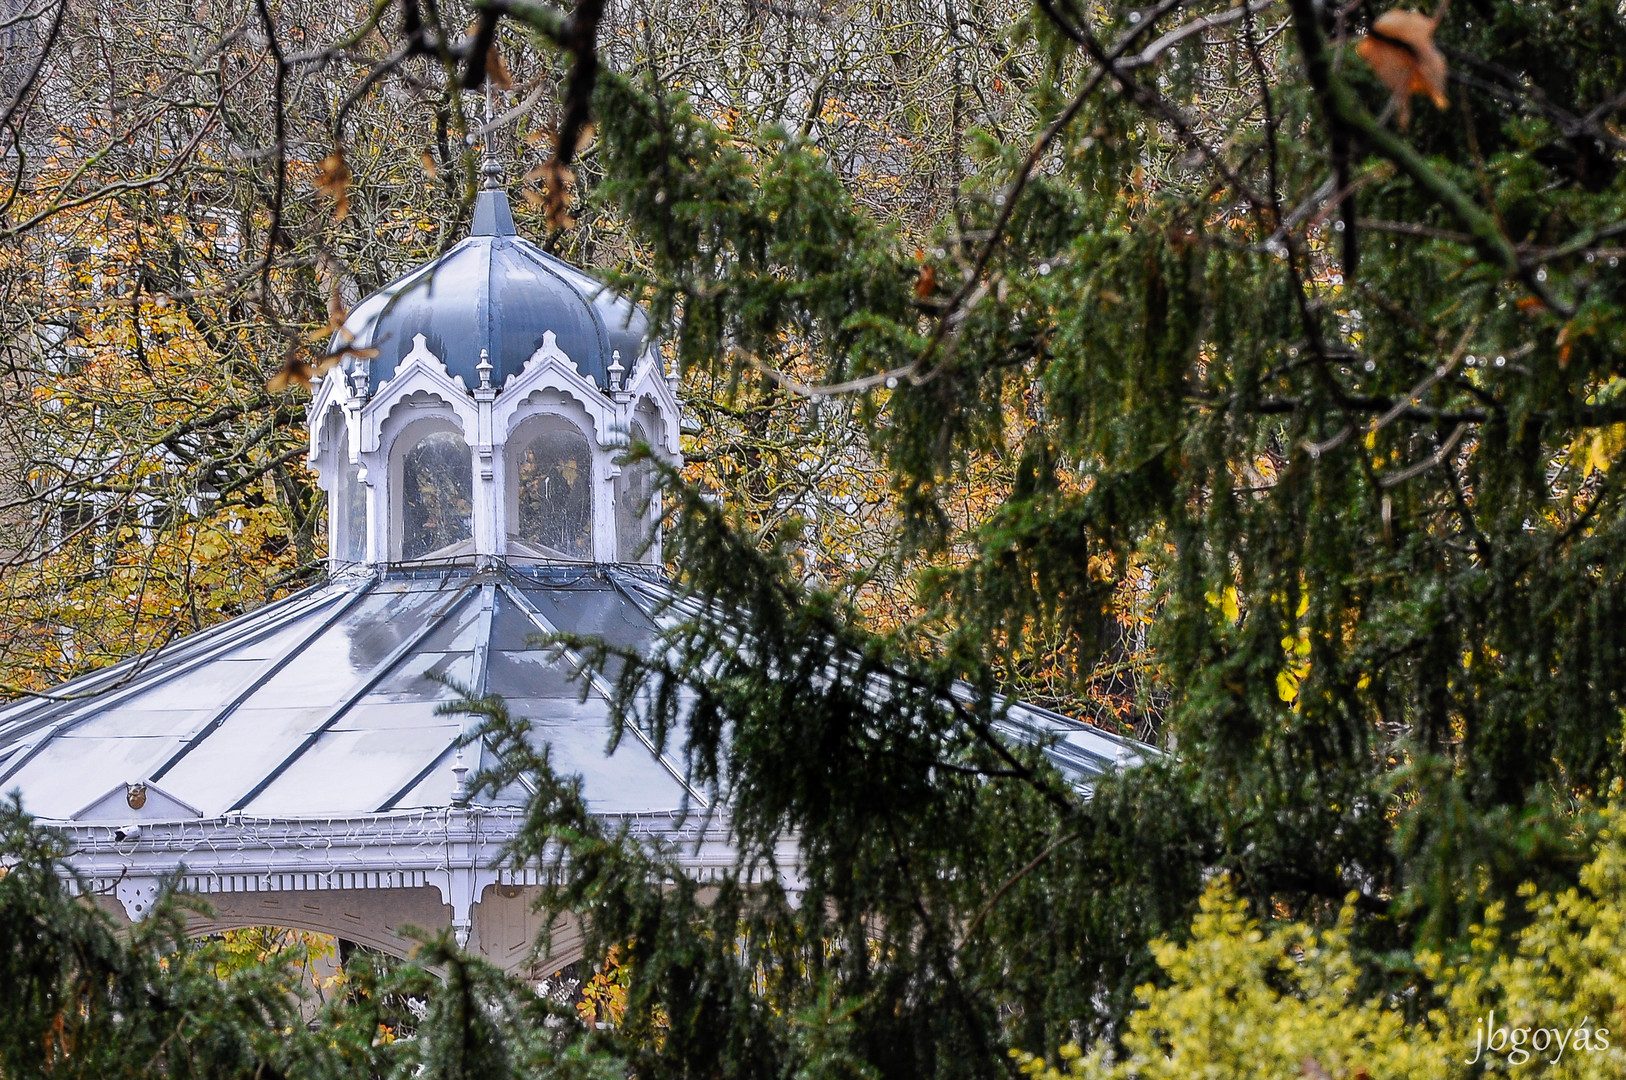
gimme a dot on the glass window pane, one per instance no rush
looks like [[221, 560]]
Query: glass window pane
[[633, 521], [554, 494], [437, 492], [355, 515]]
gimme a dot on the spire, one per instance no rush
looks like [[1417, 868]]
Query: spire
[[492, 216], [490, 168]]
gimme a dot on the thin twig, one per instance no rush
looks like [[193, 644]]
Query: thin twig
[[1427, 463], [1010, 883], [1405, 403]]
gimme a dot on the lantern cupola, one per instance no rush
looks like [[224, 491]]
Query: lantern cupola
[[495, 390]]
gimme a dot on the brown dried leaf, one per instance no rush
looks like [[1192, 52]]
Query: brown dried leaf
[[297, 370], [294, 370], [429, 165], [333, 180], [556, 194], [497, 71], [1402, 54], [325, 364], [926, 282], [335, 312]]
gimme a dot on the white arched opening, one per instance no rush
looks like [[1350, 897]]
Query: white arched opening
[[550, 479], [347, 495], [636, 508], [432, 484]]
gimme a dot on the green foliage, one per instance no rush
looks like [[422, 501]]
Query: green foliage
[[1349, 398], [85, 997], [907, 811], [84, 1001], [1346, 393], [1245, 998]]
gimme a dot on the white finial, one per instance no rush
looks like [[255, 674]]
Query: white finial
[[616, 370], [460, 785], [484, 368]]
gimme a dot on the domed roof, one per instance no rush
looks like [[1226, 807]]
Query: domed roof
[[497, 292]]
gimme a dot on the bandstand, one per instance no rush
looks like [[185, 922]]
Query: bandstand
[[291, 764]]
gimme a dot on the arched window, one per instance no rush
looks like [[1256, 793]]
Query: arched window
[[553, 494], [437, 495], [353, 499], [634, 517], [347, 505]]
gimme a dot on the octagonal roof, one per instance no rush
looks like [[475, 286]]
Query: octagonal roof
[[326, 704]]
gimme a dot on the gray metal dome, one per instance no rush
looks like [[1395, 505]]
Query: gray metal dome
[[499, 293]]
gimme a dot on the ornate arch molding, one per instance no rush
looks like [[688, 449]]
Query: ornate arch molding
[[554, 426], [325, 405], [648, 384], [322, 444], [420, 377], [550, 369]]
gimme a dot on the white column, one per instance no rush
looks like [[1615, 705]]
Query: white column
[[375, 487], [605, 470], [488, 537]]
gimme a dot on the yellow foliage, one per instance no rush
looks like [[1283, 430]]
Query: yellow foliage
[[604, 996], [1229, 604], [1598, 449], [1282, 999], [151, 507]]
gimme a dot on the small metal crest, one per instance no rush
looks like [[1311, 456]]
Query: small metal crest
[[135, 795]]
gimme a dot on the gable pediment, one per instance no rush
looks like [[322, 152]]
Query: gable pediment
[[133, 802]]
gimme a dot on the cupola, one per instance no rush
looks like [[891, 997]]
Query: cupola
[[500, 388]]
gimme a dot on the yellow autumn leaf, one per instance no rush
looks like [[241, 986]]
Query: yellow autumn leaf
[[1287, 685], [1601, 448], [1229, 604]]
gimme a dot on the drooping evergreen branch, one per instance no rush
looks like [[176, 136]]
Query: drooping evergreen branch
[[1343, 109]]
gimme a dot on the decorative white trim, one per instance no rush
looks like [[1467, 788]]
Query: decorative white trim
[[648, 384], [137, 895], [420, 371], [132, 803], [549, 368], [550, 382], [360, 877], [321, 454], [420, 385], [458, 851], [329, 394]]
